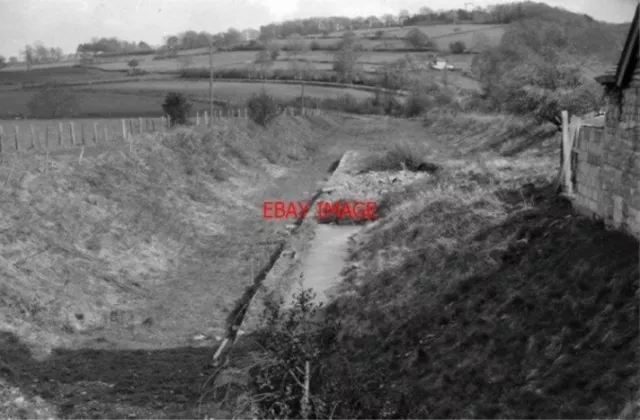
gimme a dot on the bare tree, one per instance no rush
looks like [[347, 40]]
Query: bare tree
[[29, 56], [403, 16], [297, 46], [172, 43], [41, 52], [263, 61], [232, 37], [425, 11], [388, 19], [345, 60]]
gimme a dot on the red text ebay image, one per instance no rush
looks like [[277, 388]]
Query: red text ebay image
[[358, 210]]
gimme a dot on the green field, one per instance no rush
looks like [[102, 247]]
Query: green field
[[441, 34], [234, 92], [94, 104], [431, 31], [60, 74]]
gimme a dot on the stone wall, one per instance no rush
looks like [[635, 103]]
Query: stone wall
[[606, 162]]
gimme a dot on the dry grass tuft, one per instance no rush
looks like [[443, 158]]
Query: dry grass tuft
[[402, 155], [469, 133]]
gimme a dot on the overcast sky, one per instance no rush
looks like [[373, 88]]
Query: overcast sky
[[67, 23]]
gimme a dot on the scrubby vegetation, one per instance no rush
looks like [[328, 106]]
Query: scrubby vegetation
[[177, 107], [263, 108], [475, 297]]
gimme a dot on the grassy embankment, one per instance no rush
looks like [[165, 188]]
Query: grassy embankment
[[139, 248], [479, 293]]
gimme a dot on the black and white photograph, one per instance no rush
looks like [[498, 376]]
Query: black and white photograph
[[319, 209]]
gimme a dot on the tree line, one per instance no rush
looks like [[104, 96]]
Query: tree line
[[36, 53]]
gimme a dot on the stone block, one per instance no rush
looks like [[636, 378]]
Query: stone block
[[594, 158]]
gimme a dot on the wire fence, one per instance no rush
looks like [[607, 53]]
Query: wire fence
[[54, 135]]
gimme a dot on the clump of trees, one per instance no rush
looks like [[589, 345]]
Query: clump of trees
[[418, 39], [38, 53], [114, 45], [457, 47], [532, 72]]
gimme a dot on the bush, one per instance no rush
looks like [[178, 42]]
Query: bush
[[52, 103], [263, 108], [457, 47], [314, 46], [177, 108], [418, 39], [416, 104], [379, 34], [275, 53], [292, 343]]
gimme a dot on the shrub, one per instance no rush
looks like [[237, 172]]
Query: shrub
[[275, 53], [416, 104], [133, 63], [52, 103], [263, 108], [314, 46], [379, 34], [177, 108], [457, 47], [418, 39], [292, 343]]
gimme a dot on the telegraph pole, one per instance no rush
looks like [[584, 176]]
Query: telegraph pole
[[211, 81]]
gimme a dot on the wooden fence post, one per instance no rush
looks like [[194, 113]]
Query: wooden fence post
[[73, 133], [95, 133], [16, 134], [197, 118], [106, 134], [131, 132], [46, 137], [1, 137], [60, 130], [124, 130], [566, 152], [82, 136], [206, 118], [141, 129], [153, 125], [32, 131]]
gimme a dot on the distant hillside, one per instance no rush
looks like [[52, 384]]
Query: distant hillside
[[576, 34]]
